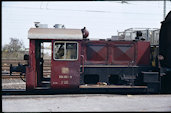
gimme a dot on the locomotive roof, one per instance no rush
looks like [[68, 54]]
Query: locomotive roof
[[53, 33]]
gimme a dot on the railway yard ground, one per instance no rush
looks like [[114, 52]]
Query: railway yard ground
[[80, 102], [85, 102]]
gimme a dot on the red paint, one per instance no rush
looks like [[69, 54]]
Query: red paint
[[95, 52], [89, 53], [143, 53], [59, 79], [31, 77], [123, 53], [116, 52]]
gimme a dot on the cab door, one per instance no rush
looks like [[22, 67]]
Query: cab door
[[65, 70]]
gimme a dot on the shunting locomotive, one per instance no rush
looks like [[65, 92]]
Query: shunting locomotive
[[78, 62]]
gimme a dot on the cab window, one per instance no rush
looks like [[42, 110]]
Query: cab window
[[65, 51]]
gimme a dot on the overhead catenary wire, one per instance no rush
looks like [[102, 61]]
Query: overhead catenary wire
[[164, 9], [92, 11], [49, 7]]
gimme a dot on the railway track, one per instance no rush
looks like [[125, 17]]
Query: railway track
[[12, 76], [6, 68]]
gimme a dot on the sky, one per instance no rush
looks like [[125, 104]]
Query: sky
[[102, 19]]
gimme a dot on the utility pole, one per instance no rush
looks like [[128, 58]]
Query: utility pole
[[164, 9]]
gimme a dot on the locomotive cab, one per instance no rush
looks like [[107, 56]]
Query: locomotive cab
[[65, 58]]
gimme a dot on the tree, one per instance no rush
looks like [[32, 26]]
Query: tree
[[14, 50], [14, 45]]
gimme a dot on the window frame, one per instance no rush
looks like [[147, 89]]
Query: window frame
[[65, 42]]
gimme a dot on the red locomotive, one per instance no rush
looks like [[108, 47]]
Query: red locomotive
[[78, 62]]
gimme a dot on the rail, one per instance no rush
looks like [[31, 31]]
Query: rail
[[6, 67]]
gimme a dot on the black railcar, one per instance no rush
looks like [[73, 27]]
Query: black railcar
[[165, 53]]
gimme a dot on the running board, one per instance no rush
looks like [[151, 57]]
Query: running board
[[110, 86], [116, 89], [90, 89]]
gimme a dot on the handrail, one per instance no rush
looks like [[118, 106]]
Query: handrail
[[82, 56]]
